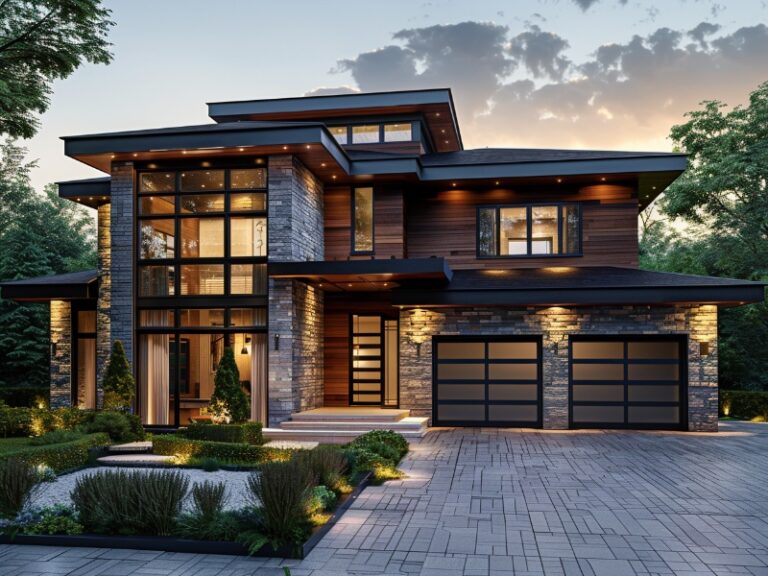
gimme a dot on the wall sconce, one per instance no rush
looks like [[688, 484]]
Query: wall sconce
[[244, 350], [277, 341], [418, 348], [53, 349], [419, 329], [704, 348]]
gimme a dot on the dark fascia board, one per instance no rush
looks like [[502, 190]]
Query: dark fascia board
[[86, 187], [206, 138], [738, 294], [397, 266], [22, 292], [336, 102], [619, 165]]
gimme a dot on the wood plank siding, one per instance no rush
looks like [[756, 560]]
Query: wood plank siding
[[389, 224], [443, 223]]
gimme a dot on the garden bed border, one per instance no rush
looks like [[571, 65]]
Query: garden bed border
[[173, 544]]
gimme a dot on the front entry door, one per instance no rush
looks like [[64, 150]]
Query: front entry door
[[373, 361]]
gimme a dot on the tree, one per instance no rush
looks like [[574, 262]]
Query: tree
[[41, 41], [723, 198], [229, 401], [118, 384], [39, 235]]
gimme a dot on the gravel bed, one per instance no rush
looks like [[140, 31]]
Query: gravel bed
[[57, 492]]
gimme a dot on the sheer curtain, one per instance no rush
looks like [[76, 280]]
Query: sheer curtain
[[154, 362], [259, 377]]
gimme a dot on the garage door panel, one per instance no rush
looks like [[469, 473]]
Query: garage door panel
[[513, 392], [492, 381], [461, 391], [461, 412], [643, 386], [513, 413], [513, 371]]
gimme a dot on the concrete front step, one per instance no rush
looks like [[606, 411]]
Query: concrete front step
[[328, 436], [412, 423], [353, 414]]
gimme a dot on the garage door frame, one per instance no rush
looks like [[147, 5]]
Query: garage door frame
[[681, 339], [534, 338]]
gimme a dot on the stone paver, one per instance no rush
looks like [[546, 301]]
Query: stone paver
[[493, 502]]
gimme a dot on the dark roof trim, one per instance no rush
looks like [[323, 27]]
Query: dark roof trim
[[575, 296], [417, 267], [86, 187], [72, 286], [223, 111], [211, 136]]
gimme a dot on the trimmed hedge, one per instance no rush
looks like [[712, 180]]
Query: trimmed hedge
[[744, 404], [247, 433], [59, 457], [186, 448]]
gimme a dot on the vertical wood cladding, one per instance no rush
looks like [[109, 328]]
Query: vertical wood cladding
[[338, 307], [443, 223], [388, 222]]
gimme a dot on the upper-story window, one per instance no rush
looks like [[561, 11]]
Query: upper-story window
[[365, 134], [362, 220], [340, 133], [397, 132], [529, 230], [373, 133], [202, 232]]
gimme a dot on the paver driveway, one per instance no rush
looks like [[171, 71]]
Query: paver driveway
[[505, 502]]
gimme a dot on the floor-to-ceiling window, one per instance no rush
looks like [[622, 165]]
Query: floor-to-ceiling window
[[202, 286], [84, 324]]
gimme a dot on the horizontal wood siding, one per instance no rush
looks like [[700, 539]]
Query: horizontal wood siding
[[444, 223], [389, 224]]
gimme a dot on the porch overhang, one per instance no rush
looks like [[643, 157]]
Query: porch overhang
[[91, 192], [586, 286], [72, 286], [357, 275]]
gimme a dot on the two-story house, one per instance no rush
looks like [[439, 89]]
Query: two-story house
[[354, 254]]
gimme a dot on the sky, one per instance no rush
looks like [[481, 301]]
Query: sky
[[599, 74]]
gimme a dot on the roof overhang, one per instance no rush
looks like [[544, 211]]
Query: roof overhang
[[361, 275], [91, 192], [587, 286], [71, 286], [434, 105]]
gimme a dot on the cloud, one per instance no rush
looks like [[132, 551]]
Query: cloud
[[332, 91], [540, 52], [587, 4], [625, 95]]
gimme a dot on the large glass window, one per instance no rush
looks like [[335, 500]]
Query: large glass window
[[202, 237], [157, 239], [205, 279], [362, 226], [249, 236], [530, 230], [397, 132], [365, 134], [340, 133]]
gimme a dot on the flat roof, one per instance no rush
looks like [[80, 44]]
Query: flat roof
[[567, 286], [92, 192], [70, 286]]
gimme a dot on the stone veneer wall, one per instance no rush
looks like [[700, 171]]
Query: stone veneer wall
[[61, 362], [115, 306], [295, 309], [555, 325]]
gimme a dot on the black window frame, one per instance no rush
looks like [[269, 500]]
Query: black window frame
[[353, 228], [529, 206]]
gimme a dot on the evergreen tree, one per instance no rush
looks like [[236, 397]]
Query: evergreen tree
[[229, 401], [119, 385]]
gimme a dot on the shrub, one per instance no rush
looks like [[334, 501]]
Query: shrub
[[228, 525], [119, 385], [246, 433], [55, 437], [327, 463], [321, 499], [388, 444], [18, 481], [68, 418], [186, 448], [14, 421], [229, 401], [281, 492], [120, 426], [58, 519], [60, 457], [26, 396], [208, 498], [121, 502], [744, 404]]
